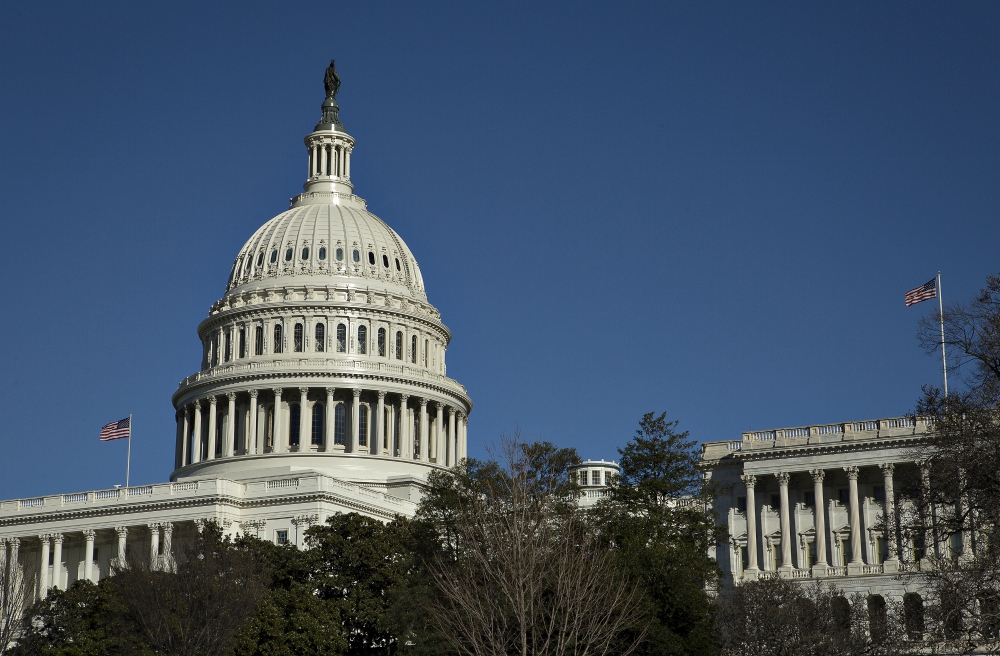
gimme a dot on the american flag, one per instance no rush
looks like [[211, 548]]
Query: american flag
[[116, 430], [924, 292]]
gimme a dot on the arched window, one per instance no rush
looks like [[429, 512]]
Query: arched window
[[305, 252], [398, 268], [356, 255], [277, 338], [399, 345], [258, 345], [385, 261], [294, 423], [297, 338], [288, 255], [341, 338], [913, 615], [371, 258], [243, 342], [381, 342], [322, 253], [320, 337], [362, 339], [260, 259], [339, 424], [363, 426], [413, 349], [274, 256], [340, 254], [317, 425]]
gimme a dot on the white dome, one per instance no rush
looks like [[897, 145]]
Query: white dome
[[336, 243]]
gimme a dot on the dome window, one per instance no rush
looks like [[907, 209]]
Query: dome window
[[297, 338], [357, 255], [398, 268], [305, 253], [341, 338], [362, 339], [274, 256], [322, 253], [371, 258], [260, 259], [385, 261], [288, 255], [340, 254]]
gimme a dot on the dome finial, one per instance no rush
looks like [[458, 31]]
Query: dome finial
[[331, 110]]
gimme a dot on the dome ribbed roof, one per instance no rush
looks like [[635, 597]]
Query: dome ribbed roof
[[306, 240]]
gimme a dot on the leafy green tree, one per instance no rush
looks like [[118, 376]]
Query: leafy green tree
[[658, 518]]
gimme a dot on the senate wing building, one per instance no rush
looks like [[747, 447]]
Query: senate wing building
[[323, 388]]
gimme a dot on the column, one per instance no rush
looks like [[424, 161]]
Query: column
[[251, 431], [403, 432], [440, 449], [854, 566], [328, 420], [213, 417], [305, 420], [154, 545], [323, 158], [88, 554], [3, 574], [889, 511], [57, 543], [15, 555], [43, 568], [463, 434], [279, 435], [786, 531], [819, 523], [925, 486], [353, 439], [196, 434], [178, 447], [375, 448], [168, 535], [347, 163], [186, 431], [424, 433], [450, 448], [751, 565], [229, 446], [122, 532]]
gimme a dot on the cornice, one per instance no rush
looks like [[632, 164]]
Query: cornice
[[781, 452]]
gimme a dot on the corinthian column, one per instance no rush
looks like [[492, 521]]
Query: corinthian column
[[213, 405], [185, 433], [892, 562], [375, 448], [856, 560], [424, 433], [450, 447], [57, 543], [88, 554], [122, 532], [278, 436], [251, 431], [178, 447], [305, 420], [328, 420], [354, 440], [819, 524], [229, 448], [43, 567], [786, 530], [439, 446], [750, 481], [196, 436]]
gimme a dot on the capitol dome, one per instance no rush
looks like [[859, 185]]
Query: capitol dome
[[323, 354]]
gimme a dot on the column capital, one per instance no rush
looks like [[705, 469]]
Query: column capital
[[356, 392], [253, 393], [122, 531], [818, 475], [749, 480], [330, 391], [153, 526], [44, 537], [461, 415], [197, 404], [231, 396], [438, 405], [167, 527], [213, 399], [89, 534], [57, 538], [852, 473], [782, 478], [887, 468], [277, 392], [404, 398], [423, 403], [381, 395], [451, 411], [303, 390]]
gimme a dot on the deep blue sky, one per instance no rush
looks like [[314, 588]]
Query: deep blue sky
[[708, 209]]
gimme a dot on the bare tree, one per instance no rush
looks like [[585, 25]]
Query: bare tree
[[519, 570], [200, 609], [15, 592]]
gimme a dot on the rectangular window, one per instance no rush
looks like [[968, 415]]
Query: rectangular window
[[809, 499], [744, 557], [741, 504], [413, 349], [955, 546], [243, 343], [281, 537], [381, 342], [844, 496], [215, 350], [258, 342], [583, 477], [595, 477], [399, 345], [341, 338], [776, 501], [320, 337], [95, 553], [811, 553], [294, 423], [879, 493], [881, 550], [363, 426], [278, 341], [297, 338], [229, 345]]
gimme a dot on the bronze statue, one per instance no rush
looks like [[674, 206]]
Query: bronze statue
[[331, 81]]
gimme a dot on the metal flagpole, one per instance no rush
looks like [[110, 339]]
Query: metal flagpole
[[128, 462], [944, 360]]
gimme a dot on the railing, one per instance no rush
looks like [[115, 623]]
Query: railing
[[75, 498], [871, 569], [796, 432], [183, 487], [860, 426], [800, 574], [763, 435], [283, 482], [902, 422], [736, 446], [830, 429], [32, 503], [836, 571], [107, 494], [139, 491]]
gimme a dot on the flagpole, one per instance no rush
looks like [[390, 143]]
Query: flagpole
[[128, 462], [944, 360]]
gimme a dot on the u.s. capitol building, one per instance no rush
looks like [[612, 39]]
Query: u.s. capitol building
[[323, 388]]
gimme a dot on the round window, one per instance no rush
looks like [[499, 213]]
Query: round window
[[340, 254], [274, 256], [357, 255], [305, 253], [260, 259], [397, 265], [371, 258], [288, 255], [322, 252], [385, 261]]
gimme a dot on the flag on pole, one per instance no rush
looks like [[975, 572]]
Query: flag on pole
[[117, 430], [924, 292]]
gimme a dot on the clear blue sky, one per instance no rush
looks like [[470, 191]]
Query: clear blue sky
[[712, 210]]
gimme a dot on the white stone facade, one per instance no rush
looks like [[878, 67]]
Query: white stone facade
[[809, 503]]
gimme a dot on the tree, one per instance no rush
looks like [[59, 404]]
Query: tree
[[517, 568], [658, 517], [15, 593]]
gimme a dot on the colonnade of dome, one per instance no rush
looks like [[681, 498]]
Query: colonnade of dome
[[324, 345]]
